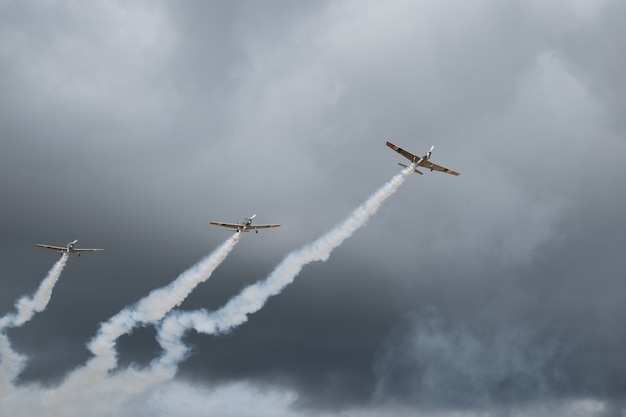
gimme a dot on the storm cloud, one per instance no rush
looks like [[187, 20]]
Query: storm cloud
[[131, 125]]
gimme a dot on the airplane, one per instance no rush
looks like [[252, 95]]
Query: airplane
[[245, 225], [421, 161], [69, 248]]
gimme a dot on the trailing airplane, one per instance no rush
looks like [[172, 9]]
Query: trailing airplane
[[246, 225], [69, 248], [421, 161]]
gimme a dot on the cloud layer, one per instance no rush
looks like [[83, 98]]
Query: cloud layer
[[132, 126]]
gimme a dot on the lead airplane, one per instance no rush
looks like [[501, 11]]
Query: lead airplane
[[69, 248], [246, 225], [421, 161]]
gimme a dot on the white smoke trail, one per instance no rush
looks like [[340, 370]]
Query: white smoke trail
[[148, 310], [11, 362], [107, 393], [100, 393], [28, 306], [92, 390], [252, 298]]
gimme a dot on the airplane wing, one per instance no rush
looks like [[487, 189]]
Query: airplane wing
[[431, 166], [87, 250], [262, 226], [229, 225], [57, 248], [408, 155], [244, 228]]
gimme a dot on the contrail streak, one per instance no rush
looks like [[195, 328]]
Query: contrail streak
[[93, 390], [11, 362], [252, 298], [110, 392], [149, 310]]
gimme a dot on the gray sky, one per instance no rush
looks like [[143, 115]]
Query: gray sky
[[131, 125]]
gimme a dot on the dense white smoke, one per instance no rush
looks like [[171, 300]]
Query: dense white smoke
[[11, 362], [92, 380], [94, 390], [252, 298]]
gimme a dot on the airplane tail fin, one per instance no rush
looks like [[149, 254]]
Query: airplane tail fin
[[430, 152]]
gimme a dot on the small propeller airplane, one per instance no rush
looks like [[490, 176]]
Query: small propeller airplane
[[69, 248], [420, 161], [246, 225]]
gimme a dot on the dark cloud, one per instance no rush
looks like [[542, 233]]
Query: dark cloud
[[456, 366], [130, 127]]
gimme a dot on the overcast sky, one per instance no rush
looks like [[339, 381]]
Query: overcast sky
[[132, 125]]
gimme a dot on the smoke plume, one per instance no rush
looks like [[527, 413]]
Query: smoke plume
[[11, 362], [148, 310], [252, 298], [93, 389]]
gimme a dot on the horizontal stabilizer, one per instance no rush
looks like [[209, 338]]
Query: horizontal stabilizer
[[414, 170]]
